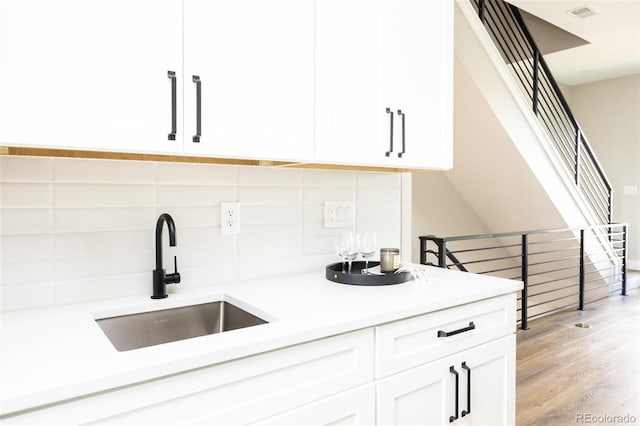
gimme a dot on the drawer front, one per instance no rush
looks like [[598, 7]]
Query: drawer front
[[355, 407], [411, 342], [236, 392]]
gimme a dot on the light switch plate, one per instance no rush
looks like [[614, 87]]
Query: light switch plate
[[339, 214]]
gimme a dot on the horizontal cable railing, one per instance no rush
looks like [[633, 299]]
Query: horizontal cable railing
[[507, 29], [560, 268]]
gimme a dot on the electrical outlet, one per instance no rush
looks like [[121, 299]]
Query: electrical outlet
[[230, 218], [338, 214]]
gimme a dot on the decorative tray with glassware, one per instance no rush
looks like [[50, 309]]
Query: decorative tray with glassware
[[337, 272], [349, 245]]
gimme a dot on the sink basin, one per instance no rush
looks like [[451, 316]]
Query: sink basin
[[140, 330]]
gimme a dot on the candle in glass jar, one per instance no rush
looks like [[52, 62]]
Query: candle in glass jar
[[389, 259]]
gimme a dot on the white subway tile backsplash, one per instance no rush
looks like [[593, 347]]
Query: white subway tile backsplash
[[80, 195], [332, 178], [25, 247], [25, 169], [204, 276], [289, 249], [96, 243], [15, 297], [259, 176], [71, 268], [196, 174], [75, 230], [191, 257], [25, 221], [320, 245], [270, 215], [379, 180], [376, 196], [103, 219], [257, 269], [100, 287], [26, 271], [191, 216], [191, 195], [25, 195], [268, 195], [206, 236], [264, 235], [319, 195], [318, 263], [76, 170]]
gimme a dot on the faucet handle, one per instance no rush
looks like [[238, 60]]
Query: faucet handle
[[175, 277]]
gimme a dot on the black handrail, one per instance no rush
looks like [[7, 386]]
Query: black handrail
[[505, 25], [441, 248], [554, 261]]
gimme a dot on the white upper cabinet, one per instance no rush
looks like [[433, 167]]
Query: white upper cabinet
[[254, 60], [384, 83], [359, 82], [90, 74]]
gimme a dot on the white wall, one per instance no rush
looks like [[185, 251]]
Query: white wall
[[439, 209], [74, 230], [609, 113]]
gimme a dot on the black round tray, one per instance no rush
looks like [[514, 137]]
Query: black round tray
[[334, 273]]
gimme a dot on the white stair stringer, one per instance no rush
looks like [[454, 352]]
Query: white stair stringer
[[505, 165]]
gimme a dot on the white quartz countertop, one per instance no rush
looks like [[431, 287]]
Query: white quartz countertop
[[49, 355]]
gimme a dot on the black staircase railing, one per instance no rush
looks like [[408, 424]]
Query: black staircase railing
[[560, 268], [506, 27]]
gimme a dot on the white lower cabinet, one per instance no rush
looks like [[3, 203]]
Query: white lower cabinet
[[473, 387], [232, 393], [453, 366]]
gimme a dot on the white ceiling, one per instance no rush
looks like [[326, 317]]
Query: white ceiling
[[613, 36]]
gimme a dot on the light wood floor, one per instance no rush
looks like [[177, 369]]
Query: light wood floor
[[566, 373]]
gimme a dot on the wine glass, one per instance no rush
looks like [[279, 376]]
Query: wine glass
[[346, 247], [368, 247]]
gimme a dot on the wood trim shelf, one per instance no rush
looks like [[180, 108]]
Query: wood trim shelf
[[130, 156]]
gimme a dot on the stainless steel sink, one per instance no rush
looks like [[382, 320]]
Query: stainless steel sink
[[140, 330]]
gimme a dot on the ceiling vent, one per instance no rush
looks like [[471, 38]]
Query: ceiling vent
[[584, 11]]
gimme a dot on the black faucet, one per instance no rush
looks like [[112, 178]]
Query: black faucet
[[160, 279]]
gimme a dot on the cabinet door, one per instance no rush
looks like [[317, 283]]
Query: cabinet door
[[493, 383], [90, 74], [426, 395], [254, 60], [353, 407], [350, 115], [420, 396], [388, 82], [419, 81]]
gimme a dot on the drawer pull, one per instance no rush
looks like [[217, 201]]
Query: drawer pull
[[402, 114], [468, 410], [442, 333], [453, 371], [198, 82], [174, 109], [388, 153]]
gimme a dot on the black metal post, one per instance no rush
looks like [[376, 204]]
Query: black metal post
[[423, 251], [581, 287], [624, 260], [524, 276], [442, 253], [481, 10]]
